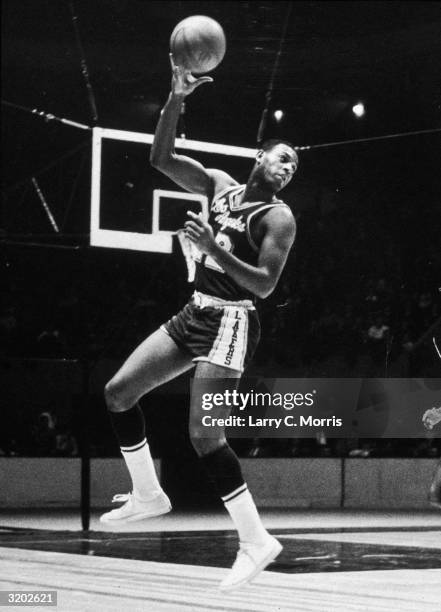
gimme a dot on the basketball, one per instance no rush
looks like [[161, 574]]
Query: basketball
[[198, 44]]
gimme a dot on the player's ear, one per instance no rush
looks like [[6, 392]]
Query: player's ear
[[259, 156]]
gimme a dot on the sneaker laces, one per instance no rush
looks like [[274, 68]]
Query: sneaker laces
[[121, 497], [248, 550], [243, 551]]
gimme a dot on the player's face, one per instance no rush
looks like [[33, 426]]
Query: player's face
[[277, 166]]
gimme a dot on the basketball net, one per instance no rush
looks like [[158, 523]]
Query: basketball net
[[190, 252]]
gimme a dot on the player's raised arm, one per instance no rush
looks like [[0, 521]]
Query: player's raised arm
[[185, 171]]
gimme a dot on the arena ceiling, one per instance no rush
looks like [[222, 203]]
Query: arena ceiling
[[387, 54]]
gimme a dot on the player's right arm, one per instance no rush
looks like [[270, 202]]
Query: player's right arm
[[185, 171]]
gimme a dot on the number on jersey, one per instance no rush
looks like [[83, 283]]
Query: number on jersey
[[226, 243]]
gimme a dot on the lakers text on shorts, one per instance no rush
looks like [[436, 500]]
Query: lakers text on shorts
[[222, 333]]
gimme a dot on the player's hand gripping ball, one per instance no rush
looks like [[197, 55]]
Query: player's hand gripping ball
[[183, 82], [198, 44]]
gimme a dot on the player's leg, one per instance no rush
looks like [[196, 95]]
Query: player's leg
[[154, 362], [435, 488], [432, 417], [257, 547], [157, 360]]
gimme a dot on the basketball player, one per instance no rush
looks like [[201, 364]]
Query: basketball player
[[431, 418], [242, 249]]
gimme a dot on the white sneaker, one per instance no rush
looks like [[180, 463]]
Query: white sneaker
[[250, 560], [135, 510]]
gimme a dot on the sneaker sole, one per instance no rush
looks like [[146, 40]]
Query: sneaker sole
[[137, 517], [274, 552]]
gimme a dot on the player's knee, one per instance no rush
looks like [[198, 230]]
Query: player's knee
[[203, 445], [115, 397]]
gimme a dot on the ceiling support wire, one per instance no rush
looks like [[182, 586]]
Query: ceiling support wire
[[84, 68], [269, 92]]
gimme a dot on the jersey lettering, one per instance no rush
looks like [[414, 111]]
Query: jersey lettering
[[224, 220], [230, 220]]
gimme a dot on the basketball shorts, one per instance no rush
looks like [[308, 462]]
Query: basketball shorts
[[214, 330]]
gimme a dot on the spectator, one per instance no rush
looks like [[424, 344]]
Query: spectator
[[45, 435], [378, 336]]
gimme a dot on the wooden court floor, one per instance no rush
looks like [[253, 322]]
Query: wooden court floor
[[332, 561]]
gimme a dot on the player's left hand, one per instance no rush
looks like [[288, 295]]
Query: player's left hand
[[431, 417], [200, 233]]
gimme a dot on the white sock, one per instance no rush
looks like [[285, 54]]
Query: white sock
[[246, 519], [142, 470]]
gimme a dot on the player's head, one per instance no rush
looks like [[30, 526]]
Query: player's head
[[276, 163]]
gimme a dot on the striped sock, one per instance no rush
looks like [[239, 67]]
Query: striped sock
[[243, 512], [224, 468], [142, 470], [235, 493]]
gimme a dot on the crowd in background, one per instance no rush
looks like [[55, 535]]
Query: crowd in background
[[355, 300], [346, 292]]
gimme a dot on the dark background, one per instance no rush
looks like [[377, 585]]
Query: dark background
[[368, 213]]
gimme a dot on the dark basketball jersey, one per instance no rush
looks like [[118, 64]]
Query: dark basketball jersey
[[230, 221]]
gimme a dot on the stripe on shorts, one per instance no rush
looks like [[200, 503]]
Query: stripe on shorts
[[230, 347]]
